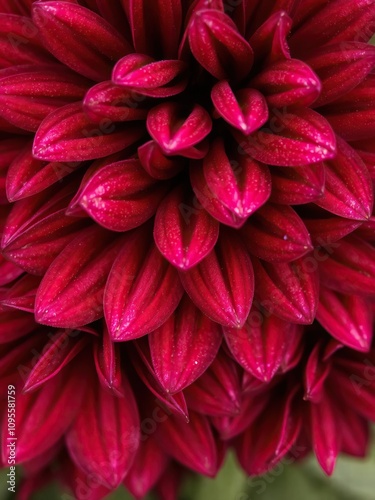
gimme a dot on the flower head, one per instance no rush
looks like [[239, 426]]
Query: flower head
[[187, 264]]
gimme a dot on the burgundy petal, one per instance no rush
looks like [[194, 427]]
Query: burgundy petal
[[71, 292], [276, 233], [316, 374], [262, 344], [62, 348], [288, 82], [105, 434], [217, 45], [43, 417], [341, 68], [325, 437], [183, 234], [177, 131], [349, 267], [158, 165], [121, 195], [20, 43], [79, 38], [108, 363], [149, 77], [230, 186], [222, 284], [296, 186], [140, 280], [348, 318], [330, 25], [192, 444], [292, 138], [29, 95], [269, 42], [117, 104], [69, 135], [21, 295], [155, 27], [183, 347], [245, 109], [348, 187], [288, 290]]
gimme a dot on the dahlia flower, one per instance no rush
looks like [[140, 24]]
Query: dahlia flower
[[188, 260]]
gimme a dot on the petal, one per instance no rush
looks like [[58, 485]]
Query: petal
[[117, 104], [140, 280], [340, 68], [292, 138], [156, 27], [157, 164], [288, 290], [325, 437], [21, 295], [32, 93], [276, 233], [191, 444], [296, 186], [121, 196], [149, 77], [288, 82], [230, 185], [108, 364], [43, 417], [183, 234], [71, 292], [105, 434], [183, 347], [245, 109], [348, 318], [222, 284], [317, 372], [349, 267], [348, 187], [262, 344], [79, 38], [269, 42], [177, 130], [217, 45]]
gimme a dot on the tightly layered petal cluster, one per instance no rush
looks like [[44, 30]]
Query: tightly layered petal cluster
[[188, 261]]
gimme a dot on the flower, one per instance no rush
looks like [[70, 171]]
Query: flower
[[187, 237]]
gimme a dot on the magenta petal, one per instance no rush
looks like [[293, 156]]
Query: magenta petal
[[155, 27], [293, 138], [230, 186], [79, 38], [21, 295], [317, 371], [12, 52], [325, 437], [341, 67], [158, 165], [177, 131], [108, 364], [149, 464], [183, 347], [184, 235], [288, 82], [348, 318], [43, 417], [139, 282], [105, 434], [348, 187], [288, 290], [29, 95], [222, 284], [108, 101], [269, 42], [349, 267], [217, 45], [71, 292], [149, 77], [191, 444], [61, 349], [299, 185], [262, 344], [245, 109], [69, 135], [121, 196], [276, 233]]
